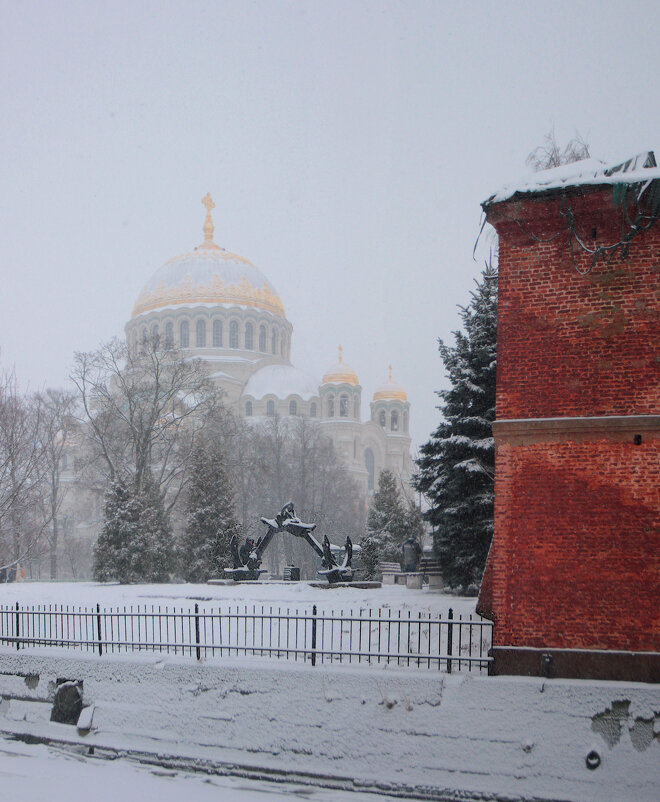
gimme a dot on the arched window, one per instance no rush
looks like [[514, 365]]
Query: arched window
[[144, 335], [169, 335], [270, 408], [249, 337], [356, 408], [233, 334], [217, 333], [369, 464], [293, 407], [262, 339], [154, 334], [273, 343], [405, 421], [312, 409], [381, 418], [331, 406], [343, 406], [200, 334], [184, 334], [394, 421], [248, 409], [283, 346]]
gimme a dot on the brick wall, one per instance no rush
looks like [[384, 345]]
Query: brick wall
[[570, 344], [575, 557]]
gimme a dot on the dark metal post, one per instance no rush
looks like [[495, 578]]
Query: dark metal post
[[98, 628], [198, 650], [314, 635], [18, 618], [450, 638]]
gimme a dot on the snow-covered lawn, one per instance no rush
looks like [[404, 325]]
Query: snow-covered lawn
[[283, 594], [284, 620]]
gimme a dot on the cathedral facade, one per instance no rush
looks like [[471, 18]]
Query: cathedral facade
[[220, 308]]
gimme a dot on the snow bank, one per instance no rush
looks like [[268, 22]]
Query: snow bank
[[428, 734]]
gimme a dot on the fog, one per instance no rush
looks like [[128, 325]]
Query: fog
[[347, 145]]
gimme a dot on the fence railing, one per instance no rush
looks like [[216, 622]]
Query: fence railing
[[420, 640]]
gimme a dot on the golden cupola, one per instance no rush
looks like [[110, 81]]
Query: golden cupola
[[391, 391], [340, 373], [208, 276]]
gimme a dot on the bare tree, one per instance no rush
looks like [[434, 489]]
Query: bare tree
[[56, 425], [22, 467], [144, 408], [550, 154]]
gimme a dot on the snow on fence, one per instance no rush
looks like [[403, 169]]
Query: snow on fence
[[418, 639]]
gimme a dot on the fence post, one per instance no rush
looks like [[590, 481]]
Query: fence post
[[98, 628], [314, 635], [18, 618], [450, 639], [198, 650]]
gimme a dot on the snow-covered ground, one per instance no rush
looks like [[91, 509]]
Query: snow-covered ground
[[419, 733], [283, 594], [38, 773]]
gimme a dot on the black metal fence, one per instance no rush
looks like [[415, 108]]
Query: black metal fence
[[420, 640]]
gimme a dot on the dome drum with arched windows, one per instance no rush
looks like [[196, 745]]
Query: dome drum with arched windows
[[221, 308], [390, 408]]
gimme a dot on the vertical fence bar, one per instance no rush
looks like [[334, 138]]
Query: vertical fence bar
[[450, 639], [18, 646], [314, 635], [198, 650], [98, 627]]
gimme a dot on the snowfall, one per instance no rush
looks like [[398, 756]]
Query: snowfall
[[166, 727]]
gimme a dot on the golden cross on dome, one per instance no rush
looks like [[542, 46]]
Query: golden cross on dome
[[341, 351], [209, 228], [390, 378]]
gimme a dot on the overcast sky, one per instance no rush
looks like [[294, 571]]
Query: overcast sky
[[347, 146]]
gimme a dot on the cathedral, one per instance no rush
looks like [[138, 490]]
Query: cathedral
[[220, 308]]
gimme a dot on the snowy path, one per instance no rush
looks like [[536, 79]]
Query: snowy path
[[33, 773]]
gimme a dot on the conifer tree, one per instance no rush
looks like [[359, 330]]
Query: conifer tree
[[456, 467], [120, 519], [391, 520], [135, 544], [369, 557], [154, 548], [211, 520]]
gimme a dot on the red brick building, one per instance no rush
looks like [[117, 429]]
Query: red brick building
[[573, 575]]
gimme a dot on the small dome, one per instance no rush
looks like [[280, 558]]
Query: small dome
[[281, 381], [340, 373], [209, 276], [390, 391]]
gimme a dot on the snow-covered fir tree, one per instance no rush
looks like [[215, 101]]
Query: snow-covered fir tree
[[155, 546], [391, 519], [456, 466], [211, 519], [135, 544], [369, 557]]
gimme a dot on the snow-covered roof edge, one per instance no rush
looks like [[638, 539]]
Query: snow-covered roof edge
[[639, 169]]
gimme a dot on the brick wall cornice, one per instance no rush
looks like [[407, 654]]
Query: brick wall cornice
[[619, 427]]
